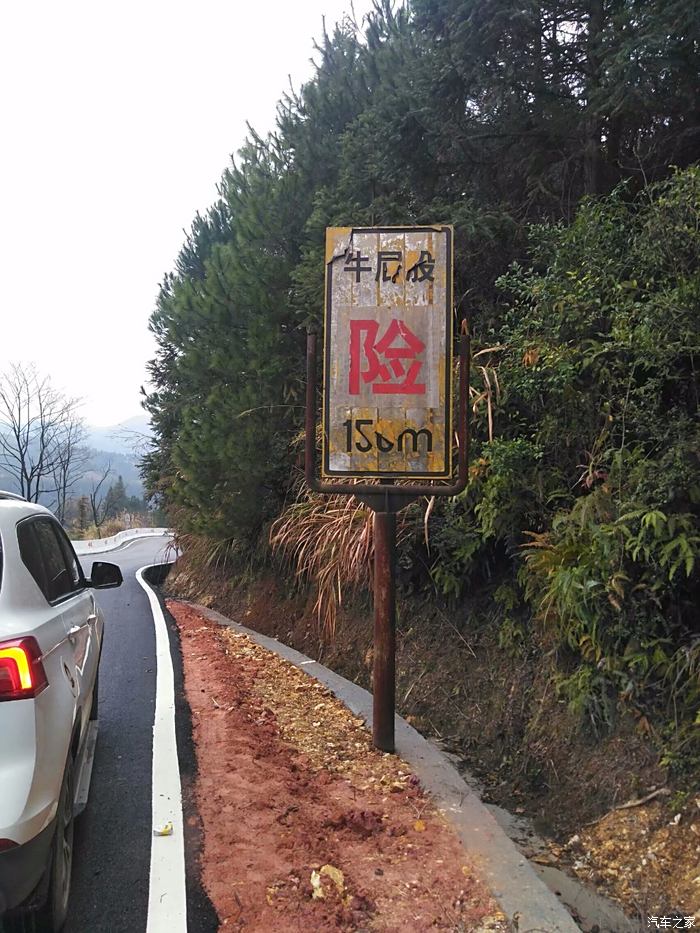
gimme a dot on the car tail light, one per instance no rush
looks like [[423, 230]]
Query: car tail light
[[22, 675], [6, 844]]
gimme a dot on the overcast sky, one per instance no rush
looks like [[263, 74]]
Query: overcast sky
[[117, 121]]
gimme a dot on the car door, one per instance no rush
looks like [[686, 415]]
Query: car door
[[68, 593], [88, 643]]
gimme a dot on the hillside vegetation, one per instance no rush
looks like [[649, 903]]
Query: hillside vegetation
[[560, 138]]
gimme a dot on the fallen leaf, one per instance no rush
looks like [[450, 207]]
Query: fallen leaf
[[336, 876], [317, 886]]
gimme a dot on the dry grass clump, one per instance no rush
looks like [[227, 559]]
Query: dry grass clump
[[328, 540], [491, 391], [203, 552]]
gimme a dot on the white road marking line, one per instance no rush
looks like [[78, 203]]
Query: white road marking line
[[167, 900]]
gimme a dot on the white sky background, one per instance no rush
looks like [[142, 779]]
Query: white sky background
[[117, 119]]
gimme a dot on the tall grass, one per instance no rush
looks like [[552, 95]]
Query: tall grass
[[204, 553], [327, 540]]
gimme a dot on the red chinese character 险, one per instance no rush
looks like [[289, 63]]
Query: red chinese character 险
[[382, 358]]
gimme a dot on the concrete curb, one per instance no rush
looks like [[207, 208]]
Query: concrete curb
[[524, 898], [100, 545]]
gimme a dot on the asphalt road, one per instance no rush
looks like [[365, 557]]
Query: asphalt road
[[113, 835]]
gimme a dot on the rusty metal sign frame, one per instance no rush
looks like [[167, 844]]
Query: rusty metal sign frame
[[386, 498], [341, 247]]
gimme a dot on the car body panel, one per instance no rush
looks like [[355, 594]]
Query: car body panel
[[22, 868], [41, 733]]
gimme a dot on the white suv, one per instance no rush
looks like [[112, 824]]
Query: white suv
[[50, 641]]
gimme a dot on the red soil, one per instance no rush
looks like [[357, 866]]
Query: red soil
[[306, 826]]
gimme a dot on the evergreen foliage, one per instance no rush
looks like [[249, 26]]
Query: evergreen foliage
[[590, 491], [546, 133]]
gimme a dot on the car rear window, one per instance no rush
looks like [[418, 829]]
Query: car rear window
[[59, 582], [31, 555], [72, 562], [49, 559]]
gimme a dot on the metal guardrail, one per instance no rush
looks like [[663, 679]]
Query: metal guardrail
[[96, 545]]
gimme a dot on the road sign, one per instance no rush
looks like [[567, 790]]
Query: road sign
[[387, 407]]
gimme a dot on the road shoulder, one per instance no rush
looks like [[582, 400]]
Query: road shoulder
[[522, 895]]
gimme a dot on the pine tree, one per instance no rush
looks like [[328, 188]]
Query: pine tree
[[491, 115]]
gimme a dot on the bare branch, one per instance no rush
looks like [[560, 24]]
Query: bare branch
[[98, 500], [40, 434]]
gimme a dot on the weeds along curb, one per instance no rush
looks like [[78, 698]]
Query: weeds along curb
[[524, 898]]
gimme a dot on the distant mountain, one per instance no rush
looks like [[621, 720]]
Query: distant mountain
[[117, 447], [126, 437], [124, 465]]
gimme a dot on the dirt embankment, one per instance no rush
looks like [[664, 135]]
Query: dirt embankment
[[498, 709], [306, 825]]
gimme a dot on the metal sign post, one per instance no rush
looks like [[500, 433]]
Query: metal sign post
[[387, 402]]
